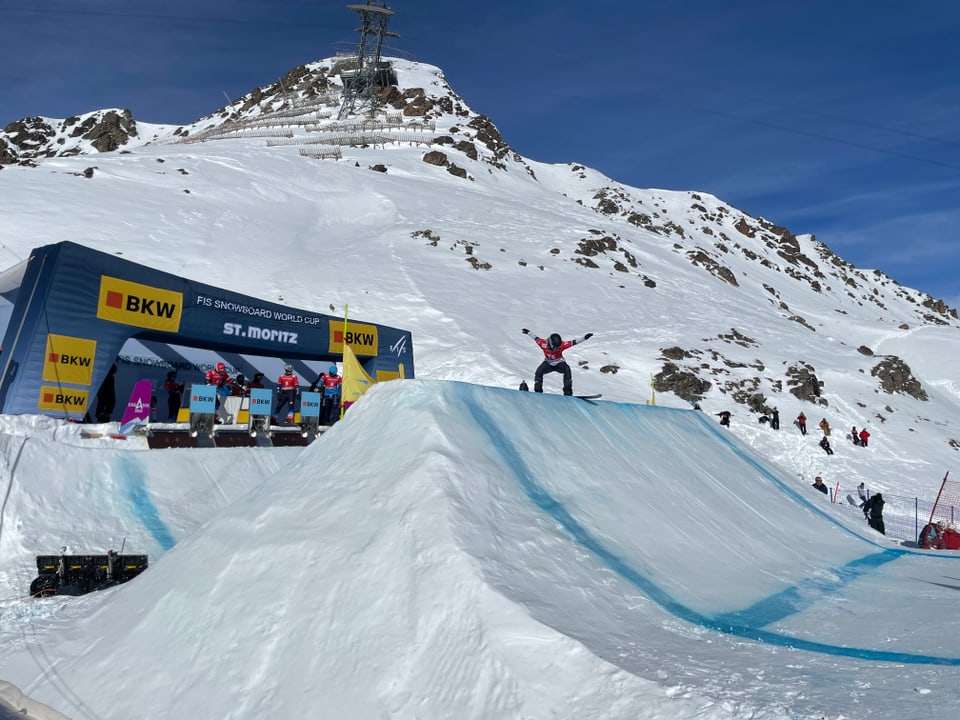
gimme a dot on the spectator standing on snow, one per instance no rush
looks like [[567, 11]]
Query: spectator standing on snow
[[774, 419], [873, 512], [825, 426], [864, 436], [855, 436], [802, 423]]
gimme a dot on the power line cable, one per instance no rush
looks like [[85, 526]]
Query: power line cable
[[818, 136]]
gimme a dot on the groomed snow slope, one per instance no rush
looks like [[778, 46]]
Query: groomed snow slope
[[439, 554]]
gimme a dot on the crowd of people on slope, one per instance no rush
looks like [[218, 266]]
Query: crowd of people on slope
[[871, 506], [329, 384], [772, 417]]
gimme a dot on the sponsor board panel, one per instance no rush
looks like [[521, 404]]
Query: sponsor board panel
[[363, 339], [143, 306], [69, 359], [62, 400]]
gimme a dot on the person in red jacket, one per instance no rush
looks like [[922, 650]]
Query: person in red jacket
[[331, 384], [288, 386], [218, 376], [221, 380], [864, 436], [553, 361]]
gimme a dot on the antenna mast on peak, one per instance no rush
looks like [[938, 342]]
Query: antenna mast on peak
[[363, 86]]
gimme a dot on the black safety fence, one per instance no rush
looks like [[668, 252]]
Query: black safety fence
[[903, 517]]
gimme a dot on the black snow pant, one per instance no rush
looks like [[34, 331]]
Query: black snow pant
[[560, 367], [330, 409], [284, 398], [173, 406], [877, 524]]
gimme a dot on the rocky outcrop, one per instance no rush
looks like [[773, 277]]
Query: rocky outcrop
[[107, 131], [895, 377], [102, 131]]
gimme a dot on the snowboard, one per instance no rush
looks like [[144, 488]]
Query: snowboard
[[310, 426]]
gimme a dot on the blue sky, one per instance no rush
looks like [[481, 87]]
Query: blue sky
[[837, 119]]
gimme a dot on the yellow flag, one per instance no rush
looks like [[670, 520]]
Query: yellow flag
[[355, 379]]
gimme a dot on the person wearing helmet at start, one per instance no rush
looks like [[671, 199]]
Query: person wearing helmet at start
[[553, 361], [329, 409], [221, 380], [288, 386], [218, 375]]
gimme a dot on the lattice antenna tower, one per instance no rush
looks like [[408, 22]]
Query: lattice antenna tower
[[363, 86]]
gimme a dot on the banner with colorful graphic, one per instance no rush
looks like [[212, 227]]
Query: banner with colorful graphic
[[356, 381], [75, 308]]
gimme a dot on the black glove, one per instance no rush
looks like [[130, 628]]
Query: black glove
[[525, 331], [588, 336]]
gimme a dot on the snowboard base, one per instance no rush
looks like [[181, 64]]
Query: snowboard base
[[259, 425], [201, 423]]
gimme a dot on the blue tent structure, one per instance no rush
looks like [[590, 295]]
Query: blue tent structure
[[74, 312]]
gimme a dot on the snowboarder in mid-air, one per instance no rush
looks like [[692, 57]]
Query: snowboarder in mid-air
[[553, 361]]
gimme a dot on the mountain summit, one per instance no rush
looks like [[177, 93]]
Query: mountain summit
[[423, 214], [452, 550]]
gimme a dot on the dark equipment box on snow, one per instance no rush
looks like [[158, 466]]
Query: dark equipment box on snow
[[80, 574]]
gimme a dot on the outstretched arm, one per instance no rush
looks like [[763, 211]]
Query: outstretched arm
[[585, 337]]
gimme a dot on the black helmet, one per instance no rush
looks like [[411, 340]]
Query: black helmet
[[555, 341]]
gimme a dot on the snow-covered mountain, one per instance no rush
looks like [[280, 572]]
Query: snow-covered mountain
[[421, 217], [718, 306]]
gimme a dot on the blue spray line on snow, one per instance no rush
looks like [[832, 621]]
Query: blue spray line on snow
[[134, 483], [746, 624]]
